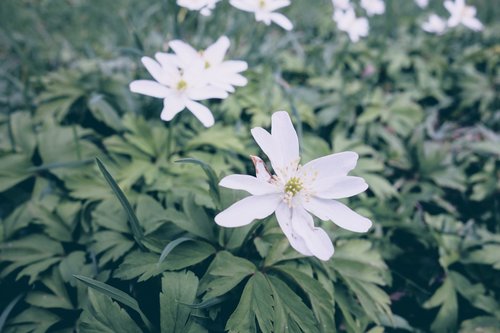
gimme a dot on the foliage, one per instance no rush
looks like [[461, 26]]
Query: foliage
[[137, 227]]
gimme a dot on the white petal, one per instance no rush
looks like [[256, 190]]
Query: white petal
[[282, 21], [201, 112], [335, 165], [284, 217], [234, 66], [215, 53], [187, 55], [316, 239], [285, 140], [171, 107], [155, 70], [243, 5], [169, 63], [261, 171], [338, 213], [277, 4], [248, 209], [340, 187], [473, 23], [264, 140], [252, 185], [149, 88], [208, 92]]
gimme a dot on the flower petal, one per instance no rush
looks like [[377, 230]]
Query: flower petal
[[187, 55], [215, 53], [264, 140], [149, 88], [282, 21], [284, 217], [338, 213], [199, 94], [286, 142], [171, 107], [338, 165], [340, 187], [248, 209], [156, 70], [201, 112], [252, 185]]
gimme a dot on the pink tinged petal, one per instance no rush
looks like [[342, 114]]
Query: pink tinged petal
[[248, 209], [284, 217], [171, 107], [449, 6], [199, 94], [340, 187], [252, 185], [286, 142], [338, 213], [316, 239], [453, 21], [282, 21], [264, 140], [201, 112], [335, 165], [473, 23], [261, 171], [149, 88], [215, 53], [155, 70]]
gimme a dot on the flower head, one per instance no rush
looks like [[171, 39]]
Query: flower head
[[295, 192], [184, 78], [373, 7], [462, 14], [265, 11], [356, 27], [434, 24], [341, 4], [204, 6]]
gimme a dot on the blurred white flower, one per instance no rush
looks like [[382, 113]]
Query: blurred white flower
[[264, 11], [295, 192], [219, 73], [373, 7], [189, 76], [341, 4], [354, 26], [204, 6], [422, 3], [434, 24], [462, 14]]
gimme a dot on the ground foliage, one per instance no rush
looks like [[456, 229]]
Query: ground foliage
[[128, 243]]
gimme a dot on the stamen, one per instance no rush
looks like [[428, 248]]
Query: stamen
[[293, 186], [181, 85]]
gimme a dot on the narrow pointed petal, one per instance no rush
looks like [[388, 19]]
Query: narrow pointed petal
[[316, 239], [215, 53], [207, 93], [201, 112], [264, 140], [171, 107], [252, 185], [338, 213], [473, 23], [338, 164], [243, 5], [248, 209], [282, 21], [277, 4], [286, 142], [186, 53], [261, 171], [155, 70], [149, 88], [284, 217], [340, 187]]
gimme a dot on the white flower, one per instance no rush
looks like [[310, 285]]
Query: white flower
[[434, 24], [354, 26], [462, 14], [295, 192], [264, 11], [373, 7], [341, 4], [422, 3], [219, 73], [204, 6]]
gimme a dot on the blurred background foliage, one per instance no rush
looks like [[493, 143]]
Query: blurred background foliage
[[421, 110]]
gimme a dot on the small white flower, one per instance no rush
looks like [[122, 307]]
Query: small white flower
[[462, 14], [295, 192], [373, 7], [434, 24], [341, 4], [219, 73], [422, 3], [264, 11], [204, 6], [354, 26]]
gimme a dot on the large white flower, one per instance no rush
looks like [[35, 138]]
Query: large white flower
[[264, 11], [295, 192], [356, 27], [434, 24], [204, 6], [341, 4], [219, 73], [462, 14], [373, 7]]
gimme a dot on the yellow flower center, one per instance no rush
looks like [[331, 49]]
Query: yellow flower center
[[181, 85], [207, 64], [293, 186], [262, 3]]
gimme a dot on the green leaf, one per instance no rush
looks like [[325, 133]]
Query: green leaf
[[34, 320], [7, 310], [134, 222], [213, 180], [170, 246], [445, 297], [177, 288]]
